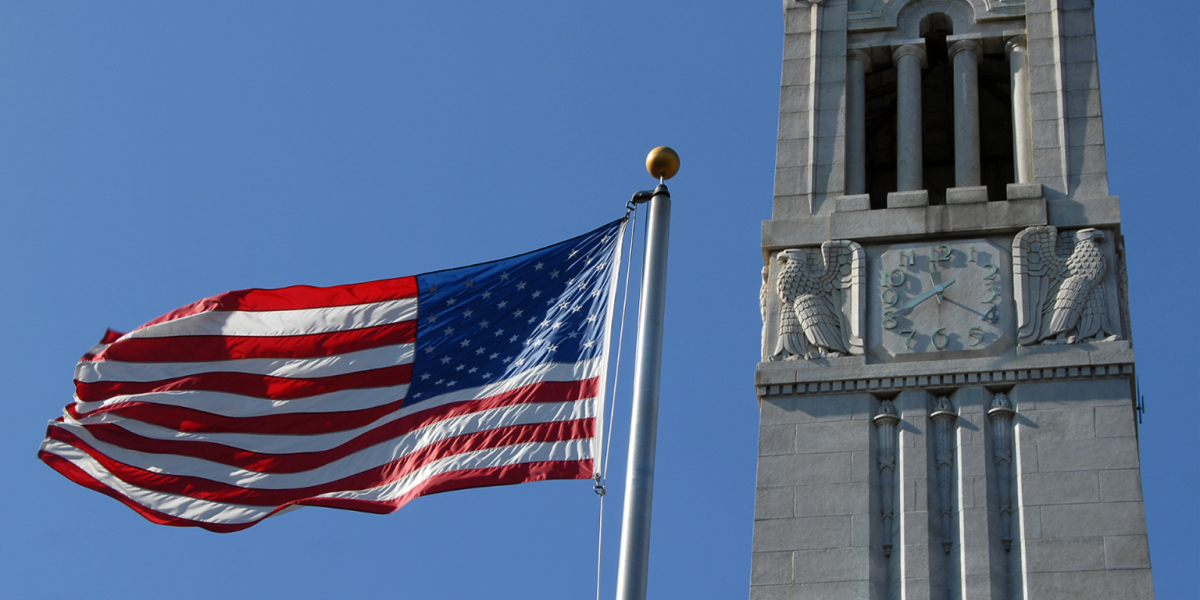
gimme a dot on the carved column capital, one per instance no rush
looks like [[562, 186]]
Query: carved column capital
[[909, 50], [966, 46], [1016, 43]]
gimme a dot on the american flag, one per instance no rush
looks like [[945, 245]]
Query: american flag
[[252, 403]]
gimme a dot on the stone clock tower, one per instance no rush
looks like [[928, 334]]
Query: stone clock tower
[[947, 380]]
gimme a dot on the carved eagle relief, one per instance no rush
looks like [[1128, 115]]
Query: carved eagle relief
[[1060, 299], [813, 320]]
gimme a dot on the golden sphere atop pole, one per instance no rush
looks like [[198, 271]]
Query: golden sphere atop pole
[[662, 162]]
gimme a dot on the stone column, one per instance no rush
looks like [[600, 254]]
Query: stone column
[[1018, 68], [966, 56], [909, 59], [857, 65]]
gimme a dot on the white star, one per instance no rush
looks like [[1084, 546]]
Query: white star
[[536, 294], [539, 266], [479, 350], [431, 320], [502, 304], [554, 274], [551, 348], [465, 342], [425, 376], [471, 370], [531, 319], [518, 312], [451, 301], [573, 253], [589, 343], [557, 324], [544, 323], [600, 267], [445, 360], [576, 308], [507, 360], [438, 382], [433, 288], [493, 355], [596, 292], [563, 305], [512, 339], [469, 283], [571, 281], [504, 276], [487, 375], [519, 361], [448, 331], [450, 383], [429, 350], [573, 334], [467, 313], [605, 238], [499, 332], [460, 367], [486, 295], [520, 285], [416, 395], [591, 319]]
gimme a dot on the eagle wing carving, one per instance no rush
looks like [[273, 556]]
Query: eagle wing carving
[[1059, 301], [812, 321]]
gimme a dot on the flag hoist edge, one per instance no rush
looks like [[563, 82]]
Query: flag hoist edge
[[364, 396]]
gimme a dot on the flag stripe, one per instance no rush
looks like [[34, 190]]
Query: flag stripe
[[249, 384], [273, 323], [294, 368], [275, 443], [212, 348], [297, 297], [81, 470], [283, 456], [177, 480], [236, 405]]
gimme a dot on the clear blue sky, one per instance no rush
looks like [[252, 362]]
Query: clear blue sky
[[155, 153]]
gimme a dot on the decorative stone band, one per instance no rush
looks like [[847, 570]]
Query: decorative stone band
[[858, 385]]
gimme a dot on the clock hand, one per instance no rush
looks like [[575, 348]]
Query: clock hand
[[936, 291]]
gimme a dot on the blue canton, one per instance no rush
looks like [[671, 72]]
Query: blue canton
[[489, 322]]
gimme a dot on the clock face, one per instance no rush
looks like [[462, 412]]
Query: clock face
[[941, 297]]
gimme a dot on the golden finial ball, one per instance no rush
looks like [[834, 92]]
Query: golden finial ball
[[662, 162]]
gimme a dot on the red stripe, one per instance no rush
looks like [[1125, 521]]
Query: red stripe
[[249, 384], [205, 489], [444, 482], [305, 461], [299, 297], [202, 348], [191, 420]]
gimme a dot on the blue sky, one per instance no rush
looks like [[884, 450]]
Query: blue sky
[[154, 154]]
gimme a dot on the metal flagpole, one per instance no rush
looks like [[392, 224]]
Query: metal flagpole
[[632, 572]]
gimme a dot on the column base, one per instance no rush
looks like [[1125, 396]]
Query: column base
[[908, 199], [967, 195], [852, 203], [1025, 191]]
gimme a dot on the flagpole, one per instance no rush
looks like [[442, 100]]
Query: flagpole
[[633, 570]]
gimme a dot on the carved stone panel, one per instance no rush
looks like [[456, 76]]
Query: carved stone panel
[[1064, 286], [812, 302]]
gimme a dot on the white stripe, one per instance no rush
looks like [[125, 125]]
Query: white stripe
[[368, 458], [171, 504], [325, 366], [520, 414], [234, 514], [481, 459], [236, 405], [284, 322]]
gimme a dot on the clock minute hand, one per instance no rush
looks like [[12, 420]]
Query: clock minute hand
[[937, 290]]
